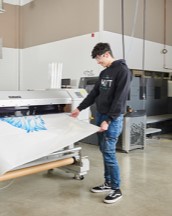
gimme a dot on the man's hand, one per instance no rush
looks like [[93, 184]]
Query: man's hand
[[104, 126], [75, 113]]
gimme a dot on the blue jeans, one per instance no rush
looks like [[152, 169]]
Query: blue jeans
[[107, 144]]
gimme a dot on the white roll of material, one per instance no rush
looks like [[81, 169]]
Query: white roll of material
[[55, 74]]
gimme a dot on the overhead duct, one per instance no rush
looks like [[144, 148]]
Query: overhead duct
[[1, 7]]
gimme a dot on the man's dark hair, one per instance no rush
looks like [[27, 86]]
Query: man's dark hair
[[100, 49]]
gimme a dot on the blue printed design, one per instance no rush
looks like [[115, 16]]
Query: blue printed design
[[28, 123]]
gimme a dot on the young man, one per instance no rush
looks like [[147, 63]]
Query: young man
[[110, 94]]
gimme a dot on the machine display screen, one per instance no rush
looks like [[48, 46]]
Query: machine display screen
[[78, 94]]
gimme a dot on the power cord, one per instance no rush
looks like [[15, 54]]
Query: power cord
[[8, 185]]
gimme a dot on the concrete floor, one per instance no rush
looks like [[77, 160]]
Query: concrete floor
[[146, 186]]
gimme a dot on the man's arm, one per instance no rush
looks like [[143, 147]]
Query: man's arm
[[75, 113], [103, 127]]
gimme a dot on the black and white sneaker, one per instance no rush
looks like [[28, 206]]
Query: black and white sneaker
[[102, 188], [113, 196]]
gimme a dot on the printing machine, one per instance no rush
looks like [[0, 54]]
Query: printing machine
[[42, 102]]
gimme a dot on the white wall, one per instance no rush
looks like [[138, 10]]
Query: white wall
[[28, 68], [17, 2], [134, 52], [75, 54], [9, 68]]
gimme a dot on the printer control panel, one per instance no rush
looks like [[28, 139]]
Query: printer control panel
[[79, 95]]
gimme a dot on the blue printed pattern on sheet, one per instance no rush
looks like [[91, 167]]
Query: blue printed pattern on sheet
[[28, 123]]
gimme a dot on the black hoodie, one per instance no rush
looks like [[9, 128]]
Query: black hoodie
[[111, 90]]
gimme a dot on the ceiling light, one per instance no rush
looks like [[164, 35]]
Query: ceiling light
[[1, 7]]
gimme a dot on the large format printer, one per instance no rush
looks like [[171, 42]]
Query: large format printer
[[18, 104]]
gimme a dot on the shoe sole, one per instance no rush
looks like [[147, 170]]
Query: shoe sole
[[112, 201], [95, 191]]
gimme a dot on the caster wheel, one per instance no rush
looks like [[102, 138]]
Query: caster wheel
[[50, 171], [81, 177], [78, 177]]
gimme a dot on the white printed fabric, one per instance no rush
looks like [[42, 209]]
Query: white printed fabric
[[27, 138]]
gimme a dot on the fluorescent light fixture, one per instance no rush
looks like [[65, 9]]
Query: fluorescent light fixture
[[0, 48], [1, 7]]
